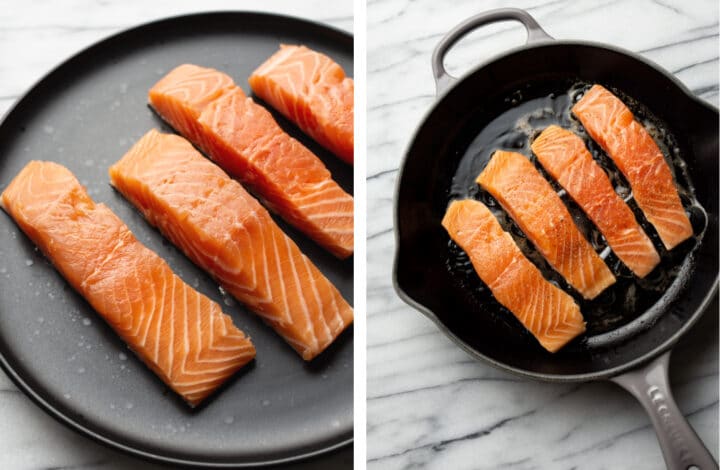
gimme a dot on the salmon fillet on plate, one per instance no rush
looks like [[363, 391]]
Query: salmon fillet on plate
[[180, 334], [242, 137], [310, 89], [229, 234]]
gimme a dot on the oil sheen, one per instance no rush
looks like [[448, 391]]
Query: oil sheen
[[631, 303]]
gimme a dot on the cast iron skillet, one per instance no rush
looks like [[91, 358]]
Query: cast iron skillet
[[86, 114], [635, 354]]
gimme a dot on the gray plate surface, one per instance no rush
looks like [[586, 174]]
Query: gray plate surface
[[86, 114]]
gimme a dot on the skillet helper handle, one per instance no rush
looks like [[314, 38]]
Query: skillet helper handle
[[681, 447], [535, 33]]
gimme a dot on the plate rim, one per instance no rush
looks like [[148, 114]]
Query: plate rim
[[36, 397]]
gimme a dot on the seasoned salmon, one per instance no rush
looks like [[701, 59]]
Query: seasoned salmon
[[611, 124], [550, 314], [177, 332], [225, 231], [540, 213], [310, 89], [565, 157], [243, 138]]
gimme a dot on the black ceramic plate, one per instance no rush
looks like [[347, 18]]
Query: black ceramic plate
[[86, 114]]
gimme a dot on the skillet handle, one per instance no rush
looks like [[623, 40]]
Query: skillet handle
[[535, 33], [681, 447]]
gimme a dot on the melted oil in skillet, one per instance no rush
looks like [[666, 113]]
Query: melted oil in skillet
[[525, 117]]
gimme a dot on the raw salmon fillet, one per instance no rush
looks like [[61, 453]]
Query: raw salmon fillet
[[540, 213], [551, 315], [224, 230], [177, 332], [243, 138], [611, 124], [564, 155], [310, 89]]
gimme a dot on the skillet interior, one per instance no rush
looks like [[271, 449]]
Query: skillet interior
[[425, 188]]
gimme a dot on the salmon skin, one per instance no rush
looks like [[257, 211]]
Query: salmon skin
[[564, 155], [243, 138], [550, 314], [611, 124], [311, 90], [177, 332], [530, 200], [225, 231]]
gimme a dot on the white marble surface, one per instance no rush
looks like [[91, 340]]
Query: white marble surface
[[429, 404], [34, 37]]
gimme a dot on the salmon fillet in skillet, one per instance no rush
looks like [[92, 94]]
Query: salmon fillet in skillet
[[242, 137], [551, 315], [540, 213], [225, 231], [177, 332], [310, 89], [564, 155], [611, 124]]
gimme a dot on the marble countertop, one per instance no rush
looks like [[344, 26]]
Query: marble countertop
[[34, 37], [429, 404]]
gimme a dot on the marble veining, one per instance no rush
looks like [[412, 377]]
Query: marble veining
[[429, 404], [35, 37]]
